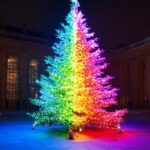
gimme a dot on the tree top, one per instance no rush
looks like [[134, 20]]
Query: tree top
[[74, 1]]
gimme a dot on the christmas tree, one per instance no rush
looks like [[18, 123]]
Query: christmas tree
[[76, 92]]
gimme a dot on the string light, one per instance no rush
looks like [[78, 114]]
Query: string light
[[76, 92]]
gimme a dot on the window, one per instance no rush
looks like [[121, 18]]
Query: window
[[33, 75], [12, 78]]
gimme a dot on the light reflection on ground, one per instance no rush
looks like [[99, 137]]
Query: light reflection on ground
[[16, 134]]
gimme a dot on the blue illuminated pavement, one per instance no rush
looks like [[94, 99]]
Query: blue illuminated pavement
[[16, 134]]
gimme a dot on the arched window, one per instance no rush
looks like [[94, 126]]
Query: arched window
[[12, 78], [33, 75]]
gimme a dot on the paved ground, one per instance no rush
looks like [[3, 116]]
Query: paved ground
[[16, 134]]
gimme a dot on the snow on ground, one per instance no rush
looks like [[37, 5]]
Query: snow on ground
[[16, 134]]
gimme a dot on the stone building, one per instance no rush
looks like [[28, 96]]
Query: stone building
[[130, 66], [21, 62]]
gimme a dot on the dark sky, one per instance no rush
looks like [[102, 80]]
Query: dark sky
[[115, 22]]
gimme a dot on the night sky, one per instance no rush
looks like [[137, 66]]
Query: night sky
[[115, 22]]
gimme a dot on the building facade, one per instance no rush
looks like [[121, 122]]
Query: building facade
[[131, 68], [21, 62]]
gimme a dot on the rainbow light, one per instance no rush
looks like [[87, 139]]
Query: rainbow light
[[76, 92]]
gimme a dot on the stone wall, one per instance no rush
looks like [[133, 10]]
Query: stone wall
[[131, 68], [24, 51]]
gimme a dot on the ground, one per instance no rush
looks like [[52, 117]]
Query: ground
[[16, 134]]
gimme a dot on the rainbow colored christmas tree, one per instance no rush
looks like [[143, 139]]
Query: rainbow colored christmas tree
[[76, 91]]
